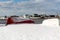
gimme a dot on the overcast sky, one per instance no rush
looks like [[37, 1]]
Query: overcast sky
[[20, 7]]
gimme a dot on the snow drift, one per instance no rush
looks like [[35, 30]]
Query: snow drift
[[29, 32], [51, 22]]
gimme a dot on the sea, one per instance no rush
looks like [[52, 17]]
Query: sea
[[38, 21]]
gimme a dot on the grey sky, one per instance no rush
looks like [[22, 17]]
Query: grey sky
[[19, 7]]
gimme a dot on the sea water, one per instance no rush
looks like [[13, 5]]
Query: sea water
[[38, 21]]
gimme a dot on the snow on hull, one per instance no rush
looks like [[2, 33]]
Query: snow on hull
[[51, 22], [29, 32]]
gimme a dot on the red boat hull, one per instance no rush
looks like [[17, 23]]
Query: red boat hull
[[11, 21]]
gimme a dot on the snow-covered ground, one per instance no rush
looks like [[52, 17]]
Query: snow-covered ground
[[29, 32]]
